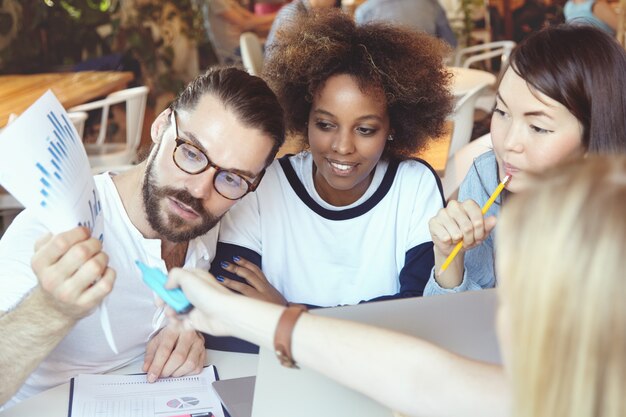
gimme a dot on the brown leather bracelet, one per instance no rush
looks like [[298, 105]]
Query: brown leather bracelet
[[282, 337]]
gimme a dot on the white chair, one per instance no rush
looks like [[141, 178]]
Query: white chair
[[463, 118], [9, 206], [466, 57], [104, 154], [459, 164], [465, 79], [78, 119], [251, 53]]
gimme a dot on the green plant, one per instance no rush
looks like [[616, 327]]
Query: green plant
[[54, 33], [467, 9], [136, 34]]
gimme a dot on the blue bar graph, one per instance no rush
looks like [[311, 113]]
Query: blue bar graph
[[63, 167]]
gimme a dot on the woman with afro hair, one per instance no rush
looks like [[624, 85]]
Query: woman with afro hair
[[346, 219]]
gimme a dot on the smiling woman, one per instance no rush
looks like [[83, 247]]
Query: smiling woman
[[346, 220], [563, 96], [348, 131]]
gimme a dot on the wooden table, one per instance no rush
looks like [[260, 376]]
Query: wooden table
[[436, 153], [18, 92]]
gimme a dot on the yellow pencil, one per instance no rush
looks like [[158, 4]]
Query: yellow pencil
[[484, 210]]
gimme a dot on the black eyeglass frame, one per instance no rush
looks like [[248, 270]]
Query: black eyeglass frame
[[252, 185]]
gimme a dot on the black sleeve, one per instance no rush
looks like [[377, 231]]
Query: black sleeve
[[419, 261], [225, 252]]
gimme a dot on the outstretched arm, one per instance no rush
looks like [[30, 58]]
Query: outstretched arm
[[426, 377], [248, 21], [73, 279]]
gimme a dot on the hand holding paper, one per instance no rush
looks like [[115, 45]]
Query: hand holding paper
[[43, 164], [72, 272]]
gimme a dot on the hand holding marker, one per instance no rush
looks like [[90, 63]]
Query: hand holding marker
[[156, 280], [484, 210]]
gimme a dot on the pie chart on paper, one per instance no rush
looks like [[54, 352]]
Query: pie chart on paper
[[183, 402]]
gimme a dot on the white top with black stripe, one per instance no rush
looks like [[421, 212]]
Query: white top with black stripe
[[317, 254]]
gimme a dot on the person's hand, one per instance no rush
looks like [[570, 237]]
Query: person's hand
[[258, 286], [175, 351], [453, 224], [459, 222], [72, 271], [208, 297]]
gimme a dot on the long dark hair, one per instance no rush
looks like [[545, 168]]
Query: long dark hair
[[584, 69]]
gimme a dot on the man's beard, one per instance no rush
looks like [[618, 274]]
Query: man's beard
[[174, 228]]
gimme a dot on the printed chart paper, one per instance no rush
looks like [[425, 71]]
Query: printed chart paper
[[44, 165], [133, 396]]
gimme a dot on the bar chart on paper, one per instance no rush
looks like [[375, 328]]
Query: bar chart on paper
[[57, 180], [44, 165]]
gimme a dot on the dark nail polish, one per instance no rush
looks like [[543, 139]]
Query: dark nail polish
[[236, 258], [219, 278], [224, 264]]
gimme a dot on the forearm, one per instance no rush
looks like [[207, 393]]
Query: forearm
[[249, 319], [247, 21], [453, 275], [29, 333], [263, 30], [264, 21], [401, 372], [423, 377]]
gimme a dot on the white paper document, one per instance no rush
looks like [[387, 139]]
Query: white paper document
[[133, 396], [44, 165]]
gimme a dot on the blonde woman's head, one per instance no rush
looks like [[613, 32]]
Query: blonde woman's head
[[562, 262]]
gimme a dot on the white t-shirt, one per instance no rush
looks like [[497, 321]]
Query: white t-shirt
[[318, 254], [133, 314]]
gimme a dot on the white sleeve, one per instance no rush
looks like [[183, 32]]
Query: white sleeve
[[241, 225], [428, 201], [16, 250]]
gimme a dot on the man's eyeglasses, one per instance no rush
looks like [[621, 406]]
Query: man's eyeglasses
[[192, 160]]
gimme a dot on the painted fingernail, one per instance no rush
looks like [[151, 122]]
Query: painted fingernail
[[219, 278], [152, 377], [236, 258], [224, 264]]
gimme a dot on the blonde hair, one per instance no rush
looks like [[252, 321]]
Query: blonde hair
[[562, 263]]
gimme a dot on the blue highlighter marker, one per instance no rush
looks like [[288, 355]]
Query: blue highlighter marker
[[156, 280]]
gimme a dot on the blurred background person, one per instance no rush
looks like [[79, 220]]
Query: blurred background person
[[289, 12], [227, 21], [598, 13], [425, 15]]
